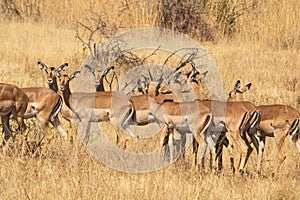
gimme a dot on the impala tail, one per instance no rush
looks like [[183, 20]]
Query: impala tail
[[294, 130], [128, 119], [54, 117], [250, 124], [56, 109], [294, 133], [254, 120]]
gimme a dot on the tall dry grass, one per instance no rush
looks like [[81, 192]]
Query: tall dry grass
[[264, 51]]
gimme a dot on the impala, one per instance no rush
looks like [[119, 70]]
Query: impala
[[195, 78], [66, 112], [172, 118], [51, 78], [101, 75], [140, 100], [277, 121], [44, 105], [12, 102], [240, 117], [237, 94], [178, 115], [98, 106]]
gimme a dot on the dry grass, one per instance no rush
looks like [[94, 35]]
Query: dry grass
[[264, 52]]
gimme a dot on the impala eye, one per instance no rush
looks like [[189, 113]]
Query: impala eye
[[97, 83]]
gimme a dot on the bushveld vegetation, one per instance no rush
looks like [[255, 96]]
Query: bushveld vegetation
[[255, 41]]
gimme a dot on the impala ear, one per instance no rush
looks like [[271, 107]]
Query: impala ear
[[108, 70], [56, 73], [75, 75], [248, 86], [177, 77], [237, 85], [204, 74], [42, 66], [139, 83], [90, 69], [231, 93], [139, 86], [63, 67]]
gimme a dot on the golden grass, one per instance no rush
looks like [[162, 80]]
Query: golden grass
[[257, 54]]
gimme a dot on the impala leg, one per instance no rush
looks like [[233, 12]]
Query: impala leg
[[6, 128], [204, 149], [212, 150], [56, 123], [48, 136], [262, 141], [221, 141], [235, 134], [249, 149], [86, 128], [200, 142], [220, 156], [121, 139], [230, 151], [71, 118], [203, 137], [164, 136], [72, 137], [195, 150], [171, 143], [180, 140], [280, 157]]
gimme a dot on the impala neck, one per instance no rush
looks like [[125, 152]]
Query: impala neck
[[53, 86], [196, 88], [100, 87], [236, 96], [67, 95]]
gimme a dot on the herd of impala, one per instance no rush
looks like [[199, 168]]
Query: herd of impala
[[210, 121]]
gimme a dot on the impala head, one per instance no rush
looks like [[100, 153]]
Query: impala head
[[190, 72], [65, 79], [51, 77], [143, 85], [154, 86], [100, 76], [197, 77], [237, 93]]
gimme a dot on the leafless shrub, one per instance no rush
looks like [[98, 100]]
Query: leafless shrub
[[203, 19]]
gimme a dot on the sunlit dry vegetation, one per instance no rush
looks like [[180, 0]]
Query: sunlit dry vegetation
[[255, 41]]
